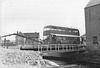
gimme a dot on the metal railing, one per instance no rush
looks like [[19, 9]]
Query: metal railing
[[61, 47]]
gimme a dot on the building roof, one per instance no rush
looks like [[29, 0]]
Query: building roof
[[93, 3], [32, 35]]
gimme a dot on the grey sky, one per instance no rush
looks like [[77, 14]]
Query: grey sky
[[33, 15]]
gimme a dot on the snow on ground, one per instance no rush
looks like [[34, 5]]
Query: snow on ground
[[11, 58]]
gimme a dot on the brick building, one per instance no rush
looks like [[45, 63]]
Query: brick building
[[29, 38], [34, 36], [92, 21]]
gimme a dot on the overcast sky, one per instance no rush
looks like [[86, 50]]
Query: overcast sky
[[33, 15]]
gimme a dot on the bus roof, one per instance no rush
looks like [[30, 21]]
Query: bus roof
[[59, 27]]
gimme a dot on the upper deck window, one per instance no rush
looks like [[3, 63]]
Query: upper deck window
[[45, 29], [75, 31]]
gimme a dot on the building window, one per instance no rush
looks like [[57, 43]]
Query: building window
[[95, 40]]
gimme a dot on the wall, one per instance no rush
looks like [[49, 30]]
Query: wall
[[92, 19], [31, 42]]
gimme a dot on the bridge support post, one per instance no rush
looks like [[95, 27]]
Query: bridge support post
[[66, 47], [38, 47], [58, 48], [55, 47], [41, 48], [47, 48], [63, 46], [50, 48], [72, 48]]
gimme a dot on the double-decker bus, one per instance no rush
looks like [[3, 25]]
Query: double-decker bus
[[60, 35]]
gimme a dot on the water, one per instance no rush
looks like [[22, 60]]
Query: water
[[78, 64], [68, 62]]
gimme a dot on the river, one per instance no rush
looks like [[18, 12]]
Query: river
[[80, 65], [69, 62]]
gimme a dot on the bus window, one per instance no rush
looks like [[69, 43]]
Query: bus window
[[45, 29], [53, 39]]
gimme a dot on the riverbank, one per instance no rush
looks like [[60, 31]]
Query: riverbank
[[12, 58]]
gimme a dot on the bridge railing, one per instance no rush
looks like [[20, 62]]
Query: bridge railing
[[61, 47]]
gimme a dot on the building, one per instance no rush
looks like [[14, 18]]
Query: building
[[34, 36], [92, 19], [27, 38], [19, 39], [83, 39]]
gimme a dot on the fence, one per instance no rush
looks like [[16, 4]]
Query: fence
[[60, 47]]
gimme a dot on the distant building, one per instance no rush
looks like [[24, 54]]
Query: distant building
[[27, 38], [19, 39], [92, 19], [34, 36]]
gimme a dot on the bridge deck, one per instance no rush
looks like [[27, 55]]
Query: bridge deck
[[52, 48]]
